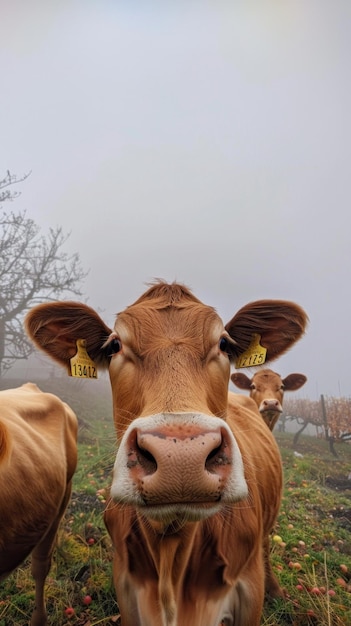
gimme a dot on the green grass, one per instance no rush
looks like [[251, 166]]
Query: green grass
[[314, 526]]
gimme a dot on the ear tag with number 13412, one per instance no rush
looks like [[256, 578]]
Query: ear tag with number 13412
[[82, 366], [254, 355]]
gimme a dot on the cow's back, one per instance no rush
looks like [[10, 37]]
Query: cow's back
[[261, 456], [37, 461]]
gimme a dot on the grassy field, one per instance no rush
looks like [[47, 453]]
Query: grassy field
[[311, 548]]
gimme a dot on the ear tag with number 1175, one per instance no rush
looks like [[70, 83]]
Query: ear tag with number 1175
[[254, 355], [82, 366]]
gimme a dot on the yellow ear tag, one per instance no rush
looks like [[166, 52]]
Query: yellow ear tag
[[254, 355], [82, 366]]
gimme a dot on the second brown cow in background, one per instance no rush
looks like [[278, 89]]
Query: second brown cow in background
[[267, 390]]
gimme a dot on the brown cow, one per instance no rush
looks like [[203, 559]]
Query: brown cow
[[197, 479], [267, 390], [38, 456]]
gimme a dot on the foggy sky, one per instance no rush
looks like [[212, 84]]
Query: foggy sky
[[204, 142]]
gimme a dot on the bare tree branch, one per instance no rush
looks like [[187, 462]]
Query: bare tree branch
[[10, 179], [33, 267]]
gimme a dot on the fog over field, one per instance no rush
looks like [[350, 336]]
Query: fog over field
[[204, 142]]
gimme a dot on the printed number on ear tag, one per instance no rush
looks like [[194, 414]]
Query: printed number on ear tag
[[82, 366], [254, 355]]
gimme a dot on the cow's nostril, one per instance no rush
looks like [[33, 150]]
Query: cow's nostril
[[146, 460], [219, 456], [139, 455], [212, 455]]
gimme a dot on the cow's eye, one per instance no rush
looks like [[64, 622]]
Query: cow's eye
[[114, 346], [224, 345]]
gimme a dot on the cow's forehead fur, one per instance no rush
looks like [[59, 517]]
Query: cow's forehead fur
[[266, 379], [265, 376], [168, 313], [163, 295]]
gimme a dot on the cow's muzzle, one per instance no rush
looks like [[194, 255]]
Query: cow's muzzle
[[180, 460]]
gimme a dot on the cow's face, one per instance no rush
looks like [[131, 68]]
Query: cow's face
[[267, 390], [169, 373], [169, 362]]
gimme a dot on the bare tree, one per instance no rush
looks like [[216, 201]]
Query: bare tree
[[331, 415], [304, 412], [33, 268]]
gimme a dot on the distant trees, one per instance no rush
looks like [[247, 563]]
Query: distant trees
[[33, 268], [304, 412], [331, 415]]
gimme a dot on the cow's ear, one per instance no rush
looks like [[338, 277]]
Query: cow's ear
[[278, 322], [55, 327], [292, 382], [241, 380]]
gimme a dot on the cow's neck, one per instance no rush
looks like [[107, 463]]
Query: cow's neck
[[165, 555], [166, 561], [170, 546]]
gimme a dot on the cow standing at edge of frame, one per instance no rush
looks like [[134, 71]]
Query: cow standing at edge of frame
[[38, 458]]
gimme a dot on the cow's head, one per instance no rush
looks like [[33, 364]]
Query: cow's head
[[168, 357], [267, 390]]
